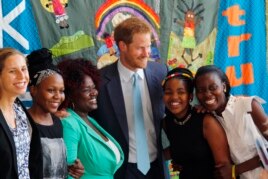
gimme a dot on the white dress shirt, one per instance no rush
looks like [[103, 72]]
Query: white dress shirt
[[126, 76]]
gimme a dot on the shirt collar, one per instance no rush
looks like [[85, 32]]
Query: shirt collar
[[229, 108], [126, 74]]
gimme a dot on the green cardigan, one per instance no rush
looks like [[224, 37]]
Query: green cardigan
[[84, 143]]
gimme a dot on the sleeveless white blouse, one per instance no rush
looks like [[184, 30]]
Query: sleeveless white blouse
[[241, 131]]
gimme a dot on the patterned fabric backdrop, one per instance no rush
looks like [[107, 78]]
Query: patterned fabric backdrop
[[186, 33]]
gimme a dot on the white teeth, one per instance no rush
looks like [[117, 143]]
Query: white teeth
[[210, 101], [20, 84], [174, 103], [93, 100], [54, 103]]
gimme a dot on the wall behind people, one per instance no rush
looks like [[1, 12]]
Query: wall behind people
[[185, 33]]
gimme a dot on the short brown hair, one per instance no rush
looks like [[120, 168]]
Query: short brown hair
[[126, 29], [5, 53]]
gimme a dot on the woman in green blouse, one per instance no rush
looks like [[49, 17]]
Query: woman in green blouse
[[85, 139]]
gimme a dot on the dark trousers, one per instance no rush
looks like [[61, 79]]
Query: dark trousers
[[153, 173]]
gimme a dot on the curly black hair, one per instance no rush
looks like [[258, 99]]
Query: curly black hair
[[73, 73]]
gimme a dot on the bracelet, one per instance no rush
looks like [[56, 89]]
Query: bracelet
[[233, 172]]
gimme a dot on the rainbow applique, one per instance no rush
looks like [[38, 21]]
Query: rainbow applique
[[136, 8]]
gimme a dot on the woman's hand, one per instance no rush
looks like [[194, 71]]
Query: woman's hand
[[223, 172], [200, 109], [76, 170], [61, 113], [264, 174]]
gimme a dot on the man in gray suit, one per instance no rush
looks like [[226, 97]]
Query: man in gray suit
[[115, 101]]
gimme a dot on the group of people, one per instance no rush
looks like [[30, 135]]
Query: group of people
[[219, 143], [107, 133]]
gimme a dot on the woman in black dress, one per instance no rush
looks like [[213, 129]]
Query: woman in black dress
[[197, 141]]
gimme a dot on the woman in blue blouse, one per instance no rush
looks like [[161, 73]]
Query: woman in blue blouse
[[85, 139]]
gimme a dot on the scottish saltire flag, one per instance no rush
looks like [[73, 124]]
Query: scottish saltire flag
[[17, 26], [18, 30], [241, 46]]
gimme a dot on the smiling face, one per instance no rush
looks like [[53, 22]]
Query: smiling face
[[189, 16], [85, 97], [14, 77], [210, 92], [136, 54], [49, 93], [176, 97]]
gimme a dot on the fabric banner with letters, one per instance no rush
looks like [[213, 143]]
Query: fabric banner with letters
[[241, 46]]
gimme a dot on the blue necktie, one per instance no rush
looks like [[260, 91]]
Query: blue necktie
[[143, 161]]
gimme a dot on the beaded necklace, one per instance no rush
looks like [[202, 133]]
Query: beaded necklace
[[184, 121]]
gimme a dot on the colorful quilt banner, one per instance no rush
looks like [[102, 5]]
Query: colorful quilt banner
[[241, 46]]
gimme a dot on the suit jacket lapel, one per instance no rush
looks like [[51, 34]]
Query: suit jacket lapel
[[88, 128], [111, 139], [151, 87], [10, 138], [91, 132], [117, 100]]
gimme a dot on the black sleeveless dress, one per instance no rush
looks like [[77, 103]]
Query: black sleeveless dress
[[188, 147]]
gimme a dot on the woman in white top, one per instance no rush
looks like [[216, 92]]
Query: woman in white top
[[242, 118]]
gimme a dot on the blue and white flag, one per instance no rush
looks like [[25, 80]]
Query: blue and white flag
[[17, 26], [18, 30]]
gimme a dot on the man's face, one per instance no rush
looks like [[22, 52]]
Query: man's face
[[136, 54]]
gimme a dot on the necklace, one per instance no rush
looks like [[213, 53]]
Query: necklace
[[181, 123]]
